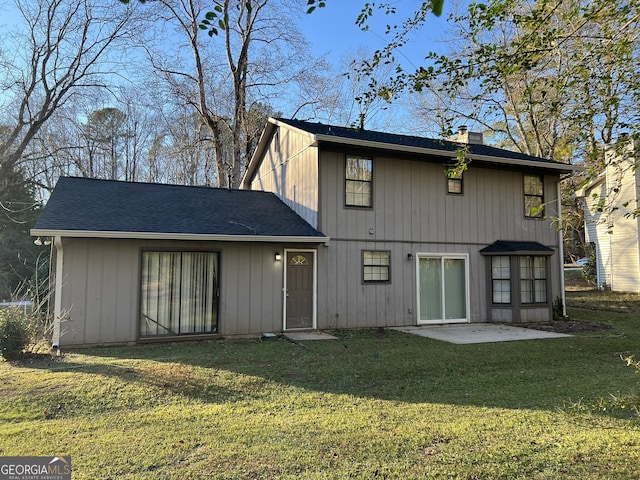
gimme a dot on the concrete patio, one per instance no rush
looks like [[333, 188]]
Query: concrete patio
[[465, 333]]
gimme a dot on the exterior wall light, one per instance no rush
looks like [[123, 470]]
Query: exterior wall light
[[38, 241], [277, 257], [409, 256]]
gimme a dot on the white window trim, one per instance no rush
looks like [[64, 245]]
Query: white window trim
[[443, 256]]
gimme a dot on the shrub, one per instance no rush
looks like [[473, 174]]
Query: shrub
[[589, 271], [634, 400], [558, 309], [15, 332]]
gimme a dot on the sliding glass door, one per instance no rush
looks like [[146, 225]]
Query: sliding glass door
[[179, 293], [442, 288]]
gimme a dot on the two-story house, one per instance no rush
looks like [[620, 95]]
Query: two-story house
[[334, 228], [410, 242]]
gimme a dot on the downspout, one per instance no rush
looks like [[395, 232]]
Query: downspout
[[57, 306], [561, 251]]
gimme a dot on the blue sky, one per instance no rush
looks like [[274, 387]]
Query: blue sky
[[332, 29]]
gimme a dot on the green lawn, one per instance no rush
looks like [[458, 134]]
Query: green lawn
[[373, 404]]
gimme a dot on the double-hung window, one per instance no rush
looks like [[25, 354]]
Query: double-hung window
[[533, 279], [376, 266], [454, 183], [526, 274], [501, 279], [358, 176], [533, 196]]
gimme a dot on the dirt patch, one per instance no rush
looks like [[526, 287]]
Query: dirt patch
[[575, 282], [38, 360], [566, 326]]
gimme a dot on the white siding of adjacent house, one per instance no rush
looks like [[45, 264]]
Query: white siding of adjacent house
[[614, 230], [625, 237], [596, 232]]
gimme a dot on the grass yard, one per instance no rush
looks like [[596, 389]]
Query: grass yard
[[373, 404]]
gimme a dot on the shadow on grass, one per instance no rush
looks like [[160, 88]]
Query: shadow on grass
[[608, 301], [379, 364]]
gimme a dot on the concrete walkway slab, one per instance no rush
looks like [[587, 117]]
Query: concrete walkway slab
[[311, 335], [464, 333]]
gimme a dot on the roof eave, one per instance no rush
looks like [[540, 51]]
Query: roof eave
[[560, 167], [263, 144], [582, 192], [43, 232], [543, 253]]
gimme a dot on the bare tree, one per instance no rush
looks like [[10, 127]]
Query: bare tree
[[86, 138], [181, 152], [250, 61], [64, 49]]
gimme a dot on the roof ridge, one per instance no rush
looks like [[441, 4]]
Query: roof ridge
[[410, 140], [158, 184]]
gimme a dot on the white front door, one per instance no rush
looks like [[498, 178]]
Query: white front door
[[443, 288]]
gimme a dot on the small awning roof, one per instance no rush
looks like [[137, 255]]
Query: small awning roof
[[509, 247]]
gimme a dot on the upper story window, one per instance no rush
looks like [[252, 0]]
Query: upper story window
[[358, 176], [454, 183], [533, 196]]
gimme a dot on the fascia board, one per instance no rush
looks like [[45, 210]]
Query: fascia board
[[561, 167], [539, 253], [257, 154], [263, 143], [582, 192], [40, 232]]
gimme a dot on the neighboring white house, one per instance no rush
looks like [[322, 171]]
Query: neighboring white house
[[610, 224]]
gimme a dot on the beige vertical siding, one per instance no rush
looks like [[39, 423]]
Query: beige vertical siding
[[349, 303], [411, 204], [413, 213], [291, 172], [100, 291], [250, 289], [101, 283]]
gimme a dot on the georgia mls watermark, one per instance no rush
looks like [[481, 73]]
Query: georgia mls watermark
[[35, 468]]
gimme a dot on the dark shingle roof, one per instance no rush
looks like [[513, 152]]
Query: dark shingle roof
[[445, 146], [90, 205], [508, 246]]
